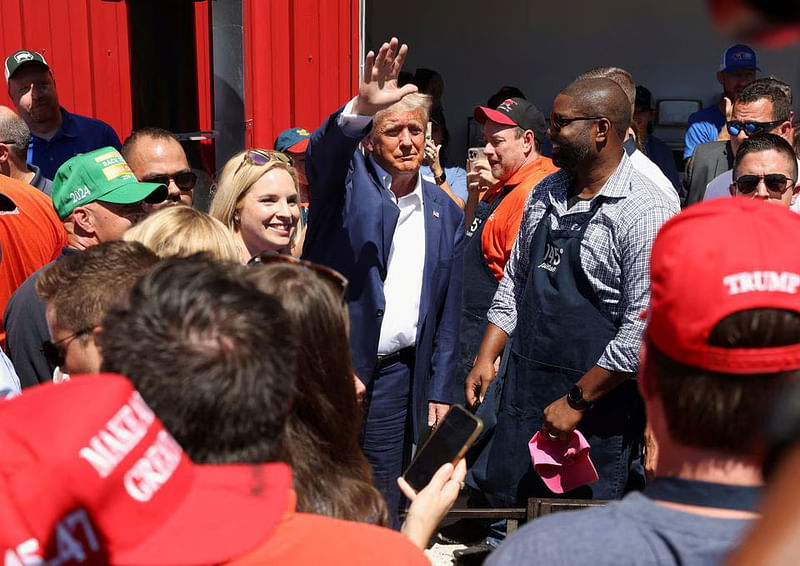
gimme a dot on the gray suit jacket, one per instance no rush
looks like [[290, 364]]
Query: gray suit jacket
[[708, 160]]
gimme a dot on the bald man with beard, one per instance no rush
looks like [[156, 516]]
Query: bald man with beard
[[572, 294]]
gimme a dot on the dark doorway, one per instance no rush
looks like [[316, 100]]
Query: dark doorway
[[164, 82]]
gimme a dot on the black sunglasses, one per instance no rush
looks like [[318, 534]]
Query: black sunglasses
[[776, 183], [329, 275], [261, 157], [52, 353], [185, 180], [558, 121], [735, 127]]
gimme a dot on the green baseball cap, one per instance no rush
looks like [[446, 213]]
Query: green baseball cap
[[101, 175], [20, 58]]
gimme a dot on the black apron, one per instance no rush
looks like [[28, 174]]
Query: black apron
[[562, 330], [480, 285]]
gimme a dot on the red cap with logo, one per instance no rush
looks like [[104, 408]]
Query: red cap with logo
[[96, 479], [712, 260]]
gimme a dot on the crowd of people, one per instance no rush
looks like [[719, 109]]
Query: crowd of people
[[248, 385]]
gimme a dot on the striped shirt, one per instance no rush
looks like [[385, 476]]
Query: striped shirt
[[614, 253]]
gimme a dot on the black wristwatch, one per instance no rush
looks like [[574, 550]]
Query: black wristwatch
[[441, 178], [575, 399]]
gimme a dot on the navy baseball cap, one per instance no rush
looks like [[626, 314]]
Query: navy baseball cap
[[293, 139], [738, 57]]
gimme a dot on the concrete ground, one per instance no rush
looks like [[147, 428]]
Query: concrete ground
[[442, 554]]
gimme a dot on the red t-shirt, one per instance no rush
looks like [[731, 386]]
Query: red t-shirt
[[31, 235], [501, 228]]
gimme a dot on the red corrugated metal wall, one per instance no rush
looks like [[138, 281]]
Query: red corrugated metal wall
[[86, 44], [300, 58], [300, 63]]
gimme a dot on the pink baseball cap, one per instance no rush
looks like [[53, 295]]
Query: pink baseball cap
[[712, 260], [562, 464]]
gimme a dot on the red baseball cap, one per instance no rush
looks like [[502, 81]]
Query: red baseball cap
[[712, 260], [99, 480]]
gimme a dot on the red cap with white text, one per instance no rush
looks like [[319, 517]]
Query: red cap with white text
[[717, 258], [100, 481]]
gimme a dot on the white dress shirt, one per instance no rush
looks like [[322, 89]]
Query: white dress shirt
[[402, 287], [649, 169]]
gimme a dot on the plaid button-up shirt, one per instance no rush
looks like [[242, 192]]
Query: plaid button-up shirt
[[614, 253]]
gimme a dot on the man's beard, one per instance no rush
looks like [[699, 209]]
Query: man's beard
[[570, 156]]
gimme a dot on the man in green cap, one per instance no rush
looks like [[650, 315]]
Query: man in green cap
[[101, 195], [97, 197]]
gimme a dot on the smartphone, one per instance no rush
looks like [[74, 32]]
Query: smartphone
[[475, 154], [449, 442]]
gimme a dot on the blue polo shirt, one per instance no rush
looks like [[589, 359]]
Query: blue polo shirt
[[77, 134], [704, 126]]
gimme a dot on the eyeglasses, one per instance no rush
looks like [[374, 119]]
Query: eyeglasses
[[8, 142], [329, 275], [776, 183], [751, 128], [52, 352], [558, 121], [185, 180], [261, 157]]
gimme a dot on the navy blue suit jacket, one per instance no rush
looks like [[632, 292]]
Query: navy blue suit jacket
[[350, 228]]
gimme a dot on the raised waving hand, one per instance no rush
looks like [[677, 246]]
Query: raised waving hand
[[378, 88]]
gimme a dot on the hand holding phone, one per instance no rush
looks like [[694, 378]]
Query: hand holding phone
[[447, 444], [474, 155], [429, 506]]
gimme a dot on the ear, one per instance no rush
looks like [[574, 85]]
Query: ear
[[4, 153], [96, 332], [795, 193], [83, 220], [785, 131], [732, 189], [603, 129], [647, 386], [367, 143], [528, 141], [719, 77]]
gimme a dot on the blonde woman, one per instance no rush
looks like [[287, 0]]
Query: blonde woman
[[257, 198], [183, 231]]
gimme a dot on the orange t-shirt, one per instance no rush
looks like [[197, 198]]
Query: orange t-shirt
[[501, 228], [31, 235], [302, 539]]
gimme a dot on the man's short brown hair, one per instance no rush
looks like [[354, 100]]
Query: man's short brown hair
[[82, 287], [720, 411]]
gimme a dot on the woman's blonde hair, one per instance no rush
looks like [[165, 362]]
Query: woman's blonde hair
[[183, 231], [238, 175]]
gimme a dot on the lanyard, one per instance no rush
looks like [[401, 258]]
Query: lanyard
[[704, 494]]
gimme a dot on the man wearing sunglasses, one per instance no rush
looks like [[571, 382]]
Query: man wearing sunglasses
[[738, 69], [399, 241], [78, 291], [97, 198], [156, 156], [762, 107], [569, 306], [766, 168]]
